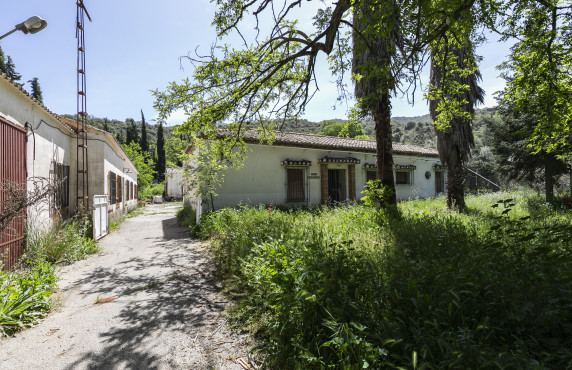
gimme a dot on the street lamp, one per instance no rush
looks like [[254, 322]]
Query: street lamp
[[31, 25]]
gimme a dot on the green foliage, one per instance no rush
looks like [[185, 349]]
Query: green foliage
[[11, 70], [2, 61], [66, 243], [144, 143], [187, 215], [161, 165], [175, 151], [131, 133], [430, 288], [25, 296], [148, 192], [36, 90], [351, 128], [206, 166], [538, 72], [143, 163]]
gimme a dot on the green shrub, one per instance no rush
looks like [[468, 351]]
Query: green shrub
[[187, 216], [148, 192], [25, 296], [65, 243], [353, 287]]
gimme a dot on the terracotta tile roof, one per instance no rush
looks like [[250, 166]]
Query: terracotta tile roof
[[334, 143]]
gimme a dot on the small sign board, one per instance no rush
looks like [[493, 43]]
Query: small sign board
[[313, 177]]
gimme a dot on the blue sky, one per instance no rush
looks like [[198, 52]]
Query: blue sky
[[133, 47]]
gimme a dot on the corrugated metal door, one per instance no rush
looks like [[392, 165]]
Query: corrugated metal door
[[12, 180]]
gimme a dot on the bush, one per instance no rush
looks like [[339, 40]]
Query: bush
[[187, 215], [352, 287], [148, 192], [24, 296], [65, 243]]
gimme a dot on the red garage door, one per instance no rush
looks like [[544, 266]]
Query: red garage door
[[12, 184]]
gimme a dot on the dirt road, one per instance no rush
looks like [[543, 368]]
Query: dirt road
[[147, 301]]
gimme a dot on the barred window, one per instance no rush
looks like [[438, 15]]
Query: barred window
[[403, 177], [295, 185], [112, 187], [62, 182], [370, 175]]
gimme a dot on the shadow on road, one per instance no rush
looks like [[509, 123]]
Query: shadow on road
[[166, 291]]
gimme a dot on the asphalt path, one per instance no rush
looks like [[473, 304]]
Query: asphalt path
[[147, 301]]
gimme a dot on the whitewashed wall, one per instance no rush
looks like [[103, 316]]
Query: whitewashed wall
[[110, 158], [49, 141], [174, 183], [262, 179]]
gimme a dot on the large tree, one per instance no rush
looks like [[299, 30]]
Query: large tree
[[11, 71], [144, 143], [36, 90], [539, 72], [272, 78], [455, 139], [510, 130]]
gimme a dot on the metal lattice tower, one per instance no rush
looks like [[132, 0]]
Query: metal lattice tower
[[81, 117]]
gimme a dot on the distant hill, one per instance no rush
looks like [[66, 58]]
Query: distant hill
[[416, 130]]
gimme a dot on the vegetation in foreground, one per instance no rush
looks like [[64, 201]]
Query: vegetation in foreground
[[353, 287], [25, 293]]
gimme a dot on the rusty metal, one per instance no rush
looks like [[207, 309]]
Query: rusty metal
[[82, 183], [12, 169]]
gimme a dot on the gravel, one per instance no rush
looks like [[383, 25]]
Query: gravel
[[147, 301]]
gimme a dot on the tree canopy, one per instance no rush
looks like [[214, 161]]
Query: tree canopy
[[383, 45]]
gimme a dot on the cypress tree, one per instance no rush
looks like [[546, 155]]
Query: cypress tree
[[161, 161], [36, 91], [144, 143], [11, 71]]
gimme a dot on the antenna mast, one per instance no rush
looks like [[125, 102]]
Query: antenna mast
[[82, 182]]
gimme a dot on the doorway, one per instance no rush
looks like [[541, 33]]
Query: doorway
[[439, 182], [337, 185]]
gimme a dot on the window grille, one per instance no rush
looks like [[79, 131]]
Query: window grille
[[295, 185], [403, 177], [62, 181]]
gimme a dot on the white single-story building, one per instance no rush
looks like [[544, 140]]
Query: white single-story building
[[174, 183], [308, 170], [38, 146]]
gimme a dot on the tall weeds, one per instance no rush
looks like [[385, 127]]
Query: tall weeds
[[353, 287]]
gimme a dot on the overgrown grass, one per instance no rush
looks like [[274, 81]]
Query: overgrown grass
[[25, 293], [352, 287]]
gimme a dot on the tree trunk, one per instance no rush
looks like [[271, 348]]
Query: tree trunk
[[455, 183], [384, 154], [549, 178]]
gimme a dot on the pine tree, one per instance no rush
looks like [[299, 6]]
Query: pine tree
[[161, 161], [2, 62], [105, 125], [144, 143], [36, 91], [509, 140], [11, 71]]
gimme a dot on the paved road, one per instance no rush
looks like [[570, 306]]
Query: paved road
[[148, 301]]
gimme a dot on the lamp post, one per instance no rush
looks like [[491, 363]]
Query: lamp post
[[31, 25]]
